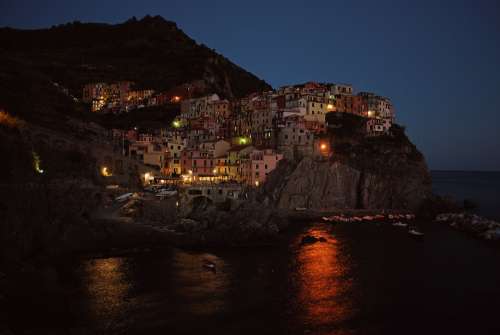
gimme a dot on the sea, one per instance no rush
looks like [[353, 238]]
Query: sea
[[365, 279]]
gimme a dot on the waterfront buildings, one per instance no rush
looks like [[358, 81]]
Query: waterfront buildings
[[242, 140]]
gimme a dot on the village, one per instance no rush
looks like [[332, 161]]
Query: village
[[216, 141]]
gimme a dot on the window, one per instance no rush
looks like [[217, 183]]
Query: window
[[265, 166], [257, 166]]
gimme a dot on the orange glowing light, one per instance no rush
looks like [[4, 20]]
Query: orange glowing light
[[323, 146], [10, 121]]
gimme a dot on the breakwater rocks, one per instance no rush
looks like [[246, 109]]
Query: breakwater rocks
[[473, 224]]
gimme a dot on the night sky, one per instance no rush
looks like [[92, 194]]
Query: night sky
[[439, 61]]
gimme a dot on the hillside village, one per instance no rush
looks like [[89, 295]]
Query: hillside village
[[216, 140]]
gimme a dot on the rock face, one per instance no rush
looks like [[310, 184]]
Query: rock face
[[341, 184]]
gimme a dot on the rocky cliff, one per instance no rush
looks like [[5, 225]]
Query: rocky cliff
[[385, 172]]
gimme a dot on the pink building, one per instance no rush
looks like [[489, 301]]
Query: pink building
[[197, 162], [258, 165]]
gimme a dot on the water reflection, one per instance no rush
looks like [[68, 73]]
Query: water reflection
[[107, 287], [324, 288], [202, 291]]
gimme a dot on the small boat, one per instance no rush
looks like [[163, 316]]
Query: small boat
[[209, 265], [124, 197], [300, 209], [415, 232], [399, 224], [326, 219]]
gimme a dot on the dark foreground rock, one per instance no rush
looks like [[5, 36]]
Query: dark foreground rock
[[248, 223], [309, 239], [473, 224]]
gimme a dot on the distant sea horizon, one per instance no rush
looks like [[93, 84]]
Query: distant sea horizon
[[447, 170], [480, 187]]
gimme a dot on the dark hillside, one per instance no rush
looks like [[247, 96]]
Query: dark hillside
[[152, 52]]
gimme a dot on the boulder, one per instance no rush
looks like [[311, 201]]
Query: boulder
[[309, 239]]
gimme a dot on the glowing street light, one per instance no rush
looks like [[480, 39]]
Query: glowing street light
[[105, 172], [329, 107], [176, 124], [37, 163]]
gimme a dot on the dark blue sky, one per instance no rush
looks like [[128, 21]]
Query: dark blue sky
[[439, 61]]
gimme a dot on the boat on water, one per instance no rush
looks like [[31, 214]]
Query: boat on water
[[209, 265], [414, 232], [400, 224]]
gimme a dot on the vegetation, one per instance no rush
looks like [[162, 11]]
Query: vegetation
[[390, 154]]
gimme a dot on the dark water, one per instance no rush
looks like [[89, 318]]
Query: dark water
[[366, 279], [481, 187]]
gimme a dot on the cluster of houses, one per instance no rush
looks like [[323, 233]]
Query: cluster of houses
[[118, 97], [242, 141]]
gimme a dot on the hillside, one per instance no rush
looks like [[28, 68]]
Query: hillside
[[152, 52]]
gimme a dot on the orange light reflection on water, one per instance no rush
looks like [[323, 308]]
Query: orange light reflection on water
[[324, 287], [107, 287]]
